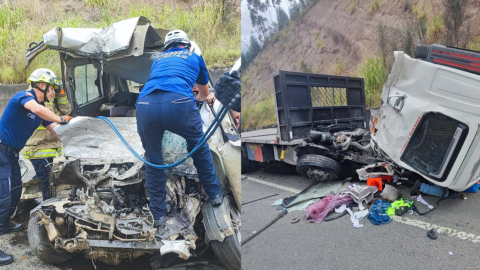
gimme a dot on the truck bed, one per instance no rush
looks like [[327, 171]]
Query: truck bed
[[265, 136]]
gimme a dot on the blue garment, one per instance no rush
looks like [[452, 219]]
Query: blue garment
[[433, 190], [42, 170], [10, 184], [176, 70], [17, 123], [377, 214], [160, 111]]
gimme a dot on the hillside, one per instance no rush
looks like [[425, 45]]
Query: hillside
[[341, 37]]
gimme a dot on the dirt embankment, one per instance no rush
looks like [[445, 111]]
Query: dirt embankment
[[334, 37]]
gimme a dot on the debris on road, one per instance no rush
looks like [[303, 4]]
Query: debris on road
[[432, 234]]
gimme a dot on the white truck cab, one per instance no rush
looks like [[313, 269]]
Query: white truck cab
[[430, 116]]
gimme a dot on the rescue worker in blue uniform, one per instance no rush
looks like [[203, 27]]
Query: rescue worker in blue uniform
[[166, 103], [24, 113]]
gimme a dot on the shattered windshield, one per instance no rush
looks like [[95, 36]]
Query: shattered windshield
[[435, 144]]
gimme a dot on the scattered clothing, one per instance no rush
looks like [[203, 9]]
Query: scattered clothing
[[354, 217], [421, 200], [361, 194], [316, 212], [377, 214], [399, 207], [433, 190]]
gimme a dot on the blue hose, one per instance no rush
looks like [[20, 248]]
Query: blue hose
[[216, 122]]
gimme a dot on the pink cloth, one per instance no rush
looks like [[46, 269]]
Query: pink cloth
[[316, 212]]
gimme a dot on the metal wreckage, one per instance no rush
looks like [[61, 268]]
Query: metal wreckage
[[106, 215], [427, 126]]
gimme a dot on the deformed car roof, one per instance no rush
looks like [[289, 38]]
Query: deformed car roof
[[122, 39]]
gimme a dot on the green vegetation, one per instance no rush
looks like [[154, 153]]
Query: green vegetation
[[374, 5], [339, 68], [353, 7], [213, 25], [259, 115], [436, 29], [375, 75], [474, 44]]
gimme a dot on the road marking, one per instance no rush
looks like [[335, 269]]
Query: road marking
[[408, 221], [273, 185], [440, 229]]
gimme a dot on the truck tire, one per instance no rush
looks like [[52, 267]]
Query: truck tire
[[229, 251], [421, 51], [38, 240], [318, 167]]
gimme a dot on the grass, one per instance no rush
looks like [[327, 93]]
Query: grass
[[436, 29], [339, 68], [474, 44], [374, 5], [260, 114], [320, 45], [375, 75], [353, 7], [213, 27]]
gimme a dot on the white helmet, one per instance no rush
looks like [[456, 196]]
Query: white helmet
[[176, 36]]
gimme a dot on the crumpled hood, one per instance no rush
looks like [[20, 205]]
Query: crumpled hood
[[92, 138]]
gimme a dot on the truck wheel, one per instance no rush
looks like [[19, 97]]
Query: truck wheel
[[38, 240], [318, 167], [229, 251], [421, 51]]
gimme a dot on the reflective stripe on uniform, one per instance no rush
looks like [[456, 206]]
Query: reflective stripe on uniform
[[62, 100], [45, 153]]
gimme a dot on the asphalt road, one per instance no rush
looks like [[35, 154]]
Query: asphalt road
[[336, 244]]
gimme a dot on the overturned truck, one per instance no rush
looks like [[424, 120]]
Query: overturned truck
[[427, 124]]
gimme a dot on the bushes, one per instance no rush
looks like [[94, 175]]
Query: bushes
[[375, 75], [260, 114], [217, 35]]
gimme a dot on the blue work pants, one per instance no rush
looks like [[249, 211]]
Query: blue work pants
[[42, 168], [164, 110], [10, 184]]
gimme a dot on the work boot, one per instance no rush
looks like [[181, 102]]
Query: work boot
[[162, 230], [219, 198], [11, 227], [415, 191], [5, 258]]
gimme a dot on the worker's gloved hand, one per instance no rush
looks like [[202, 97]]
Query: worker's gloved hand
[[227, 90], [65, 119]]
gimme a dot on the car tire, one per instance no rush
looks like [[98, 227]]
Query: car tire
[[229, 251], [318, 167], [421, 51], [41, 246]]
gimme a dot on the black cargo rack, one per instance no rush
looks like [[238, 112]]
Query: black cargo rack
[[306, 100], [450, 56]]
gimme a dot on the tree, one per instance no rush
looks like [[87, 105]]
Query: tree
[[282, 18], [453, 17], [259, 22]]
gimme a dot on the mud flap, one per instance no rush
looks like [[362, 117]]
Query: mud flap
[[216, 221]]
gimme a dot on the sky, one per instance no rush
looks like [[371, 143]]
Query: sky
[[247, 23]]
